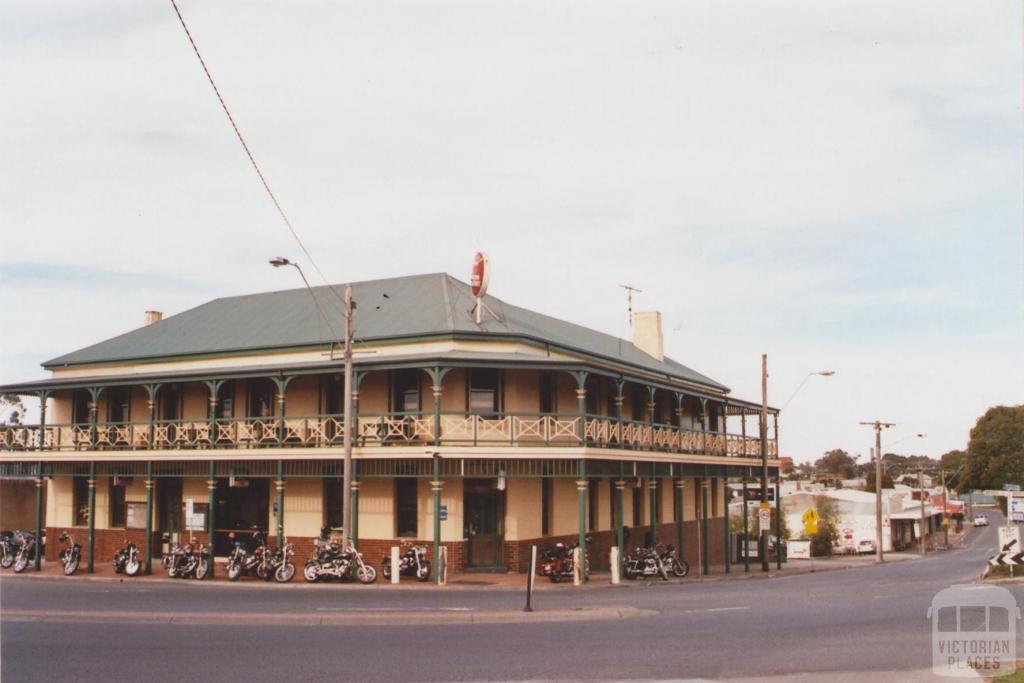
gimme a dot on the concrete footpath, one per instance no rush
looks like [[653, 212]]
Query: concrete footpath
[[476, 580]]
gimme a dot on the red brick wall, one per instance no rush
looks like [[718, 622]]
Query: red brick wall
[[107, 542]]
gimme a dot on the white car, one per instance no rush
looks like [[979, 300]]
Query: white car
[[866, 547], [980, 520]]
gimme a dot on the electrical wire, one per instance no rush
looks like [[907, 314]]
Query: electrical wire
[[252, 159]]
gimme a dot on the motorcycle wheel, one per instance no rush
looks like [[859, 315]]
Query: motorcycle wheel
[[366, 574], [202, 569], [20, 565], [172, 571], [310, 573], [71, 566], [555, 577], [7, 560], [631, 574], [261, 571], [132, 568], [234, 572], [423, 573], [680, 568], [284, 573]]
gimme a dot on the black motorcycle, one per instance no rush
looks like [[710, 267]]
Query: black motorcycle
[[331, 561], [71, 556], [244, 563], [24, 549], [188, 561], [413, 562], [645, 562], [126, 560], [278, 564], [7, 549], [673, 563]]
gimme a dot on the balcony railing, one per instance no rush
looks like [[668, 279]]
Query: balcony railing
[[380, 429]]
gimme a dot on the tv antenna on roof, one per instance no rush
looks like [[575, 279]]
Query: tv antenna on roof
[[629, 297]]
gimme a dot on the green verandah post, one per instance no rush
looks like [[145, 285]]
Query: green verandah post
[[211, 485], [92, 514], [149, 517], [39, 516]]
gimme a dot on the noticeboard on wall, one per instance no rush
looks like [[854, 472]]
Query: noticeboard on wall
[[135, 516]]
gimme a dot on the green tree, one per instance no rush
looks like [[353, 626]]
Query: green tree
[[12, 410], [837, 462], [995, 452], [869, 480], [828, 526], [954, 464]]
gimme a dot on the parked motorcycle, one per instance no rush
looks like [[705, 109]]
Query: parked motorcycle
[[413, 562], [7, 549], [242, 563], [329, 560], [24, 546], [278, 564], [71, 556], [673, 563], [645, 562], [126, 560], [557, 562], [188, 561]]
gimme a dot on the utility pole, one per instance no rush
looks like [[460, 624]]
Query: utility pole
[[920, 486], [945, 520], [878, 427], [346, 519], [763, 549]]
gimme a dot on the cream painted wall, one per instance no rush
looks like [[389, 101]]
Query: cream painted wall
[[373, 398], [564, 507], [102, 503], [302, 398], [451, 495], [58, 408], [522, 509], [453, 400], [60, 502], [196, 402], [303, 507], [521, 391], [666, 500], [604, 503], [376, 508]]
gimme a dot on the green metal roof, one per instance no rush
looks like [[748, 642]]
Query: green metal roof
[[415, 306]]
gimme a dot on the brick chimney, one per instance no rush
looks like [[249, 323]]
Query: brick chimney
[[647, 334], [153, 317]]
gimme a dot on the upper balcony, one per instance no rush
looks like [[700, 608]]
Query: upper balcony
[[381, 430]]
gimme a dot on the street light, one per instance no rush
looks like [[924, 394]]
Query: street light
[[346, 520], [820, 373]]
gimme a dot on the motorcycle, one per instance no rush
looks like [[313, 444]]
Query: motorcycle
[[7, 549], [557, 562], [413, 562], [25, 544], [71, 556], [645, 562], [188, 561], [673, 563], [330, 561], [241, 563], [126, 560], [278, 565]]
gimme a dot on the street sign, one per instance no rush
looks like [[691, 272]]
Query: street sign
[[810, 519], [1009, 539], [764, 518], [444, 512], [1011, 487], [1007, 559], [1016, 509]]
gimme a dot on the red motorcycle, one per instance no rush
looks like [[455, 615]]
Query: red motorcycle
[[556, 562]]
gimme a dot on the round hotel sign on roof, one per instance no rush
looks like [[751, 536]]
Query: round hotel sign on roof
[[480, 275]]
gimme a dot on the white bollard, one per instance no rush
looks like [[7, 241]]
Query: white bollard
[[615, 564], [395, 564], [442, 571], [577, 566]]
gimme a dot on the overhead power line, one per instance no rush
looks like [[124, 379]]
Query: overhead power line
[[248, 153]]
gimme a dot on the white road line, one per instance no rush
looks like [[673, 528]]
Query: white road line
[[716, 609]]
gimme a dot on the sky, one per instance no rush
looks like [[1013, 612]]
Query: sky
[[837, 185]]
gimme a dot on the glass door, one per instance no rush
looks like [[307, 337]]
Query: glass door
[[483, 524]]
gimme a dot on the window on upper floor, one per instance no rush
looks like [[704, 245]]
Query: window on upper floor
[[547, 391], [119, 404], [225, 400], [169, 399], [261, 398], [80, 406], [484, 391], [405, 395], [639, 403]]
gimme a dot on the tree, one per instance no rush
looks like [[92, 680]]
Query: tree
[[837, 462], [869, 480], [954, 465], [827, 535], [12, 410], [995, 452]]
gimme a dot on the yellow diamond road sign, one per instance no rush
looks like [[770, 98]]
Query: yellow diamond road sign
[[810, 518]]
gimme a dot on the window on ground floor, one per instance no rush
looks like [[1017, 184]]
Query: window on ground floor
[[638, 503], [80, 498], [593, 488], [545, 507], [117, 504], [406, 508], [333, 502]]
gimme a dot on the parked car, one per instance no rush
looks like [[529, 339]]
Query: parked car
[[980, 520], [866, 546]]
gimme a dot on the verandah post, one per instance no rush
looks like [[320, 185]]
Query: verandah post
[[279, 484], [581, 491], [39, 516], [727, 546], [681, 522], [149, 517], [92, 512], [211, 485], [704, 484], [435, 487], [746, 521]]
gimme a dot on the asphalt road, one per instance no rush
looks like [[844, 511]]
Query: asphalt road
[[869, 623]]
